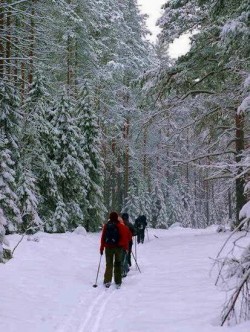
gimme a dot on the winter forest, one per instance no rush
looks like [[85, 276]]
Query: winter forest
[[95, 118]]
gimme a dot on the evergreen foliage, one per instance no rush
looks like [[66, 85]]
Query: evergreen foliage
[[132, 130], [93, 208], [56, 144]]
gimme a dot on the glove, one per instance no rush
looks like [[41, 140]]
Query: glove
[[101, 252]]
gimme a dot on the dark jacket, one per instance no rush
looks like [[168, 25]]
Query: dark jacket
[[140, 223], [132, 231]]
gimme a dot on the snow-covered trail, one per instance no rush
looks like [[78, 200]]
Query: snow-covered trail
[[48, 286], [175, 292]]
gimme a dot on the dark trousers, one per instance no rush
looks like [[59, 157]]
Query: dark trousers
[[113, 262], [140, 235], [129, 252]]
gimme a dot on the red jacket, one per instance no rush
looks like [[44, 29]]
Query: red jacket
[[123, 241]]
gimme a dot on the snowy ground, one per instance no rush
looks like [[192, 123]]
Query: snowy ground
[[48, 286]]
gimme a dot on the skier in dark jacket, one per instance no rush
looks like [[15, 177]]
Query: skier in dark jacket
[[140, 226], [125, 218]]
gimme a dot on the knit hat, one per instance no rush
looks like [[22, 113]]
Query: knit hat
[[125, 216], [113, 216]]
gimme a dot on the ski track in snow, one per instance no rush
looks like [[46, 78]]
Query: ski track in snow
[[92, 317], [181, 296], [98, 315]]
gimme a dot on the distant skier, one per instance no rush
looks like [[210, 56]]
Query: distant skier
[[140, 226]]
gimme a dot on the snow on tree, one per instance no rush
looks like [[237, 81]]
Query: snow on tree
[[93, 207], [198, 96], [159, 215], [32, 153], [28, 200], [3, 223], [9, 151], [68, 161], [145, 201], [8, 198], [234, 277], [132, 204], [60, 219]]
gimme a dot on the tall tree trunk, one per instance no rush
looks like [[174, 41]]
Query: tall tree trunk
[[207, 202], [196, 198], [119, 180], [113, 175], [230, 213], [22, 80], [126, 161], [15, 42], [2, 53], [8, 40], [145, 166], [70, 61], [32, 43], [207, 194], [239, 145]]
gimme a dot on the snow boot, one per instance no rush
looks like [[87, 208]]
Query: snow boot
[[107, 285]]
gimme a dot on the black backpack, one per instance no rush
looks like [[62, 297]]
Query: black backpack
[[112, 235]]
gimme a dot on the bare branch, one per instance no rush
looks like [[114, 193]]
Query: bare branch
[[196, 92], [235, 296]]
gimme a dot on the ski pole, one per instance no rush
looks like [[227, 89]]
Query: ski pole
[[95, 285], [136, 262], [135, 246], [147, 233]]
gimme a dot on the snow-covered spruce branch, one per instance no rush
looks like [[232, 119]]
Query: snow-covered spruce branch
[[207, 75], [229, 237], [171, 107], [205, 156], [9, 5], [225, 261], [237, 270], [234, 297], [162, 90], [16, 58], [196, 92]]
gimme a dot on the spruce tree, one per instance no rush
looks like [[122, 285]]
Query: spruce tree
[[68, 161], [32, 153], [3, 223], [94, 167], [9, 203], [10, 119]]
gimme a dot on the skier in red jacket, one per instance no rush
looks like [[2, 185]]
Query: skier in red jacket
[[114, 239]]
